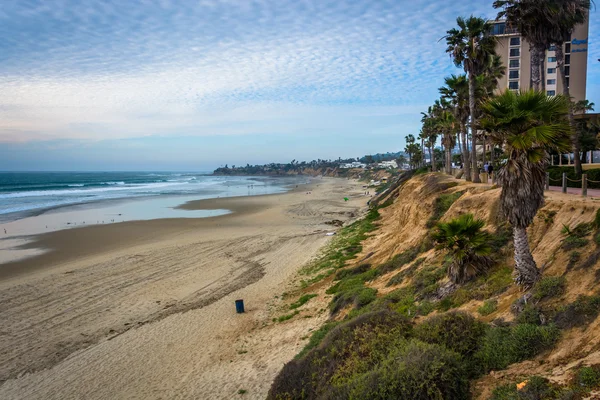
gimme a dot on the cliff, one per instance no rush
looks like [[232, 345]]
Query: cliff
[[546, 340]]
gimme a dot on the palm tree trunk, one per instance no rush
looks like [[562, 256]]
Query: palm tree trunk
[[430, 148], [526, 271], [535, 67], [448, 160], [560, 61], [472, 85], [484, 151], [465, 153]]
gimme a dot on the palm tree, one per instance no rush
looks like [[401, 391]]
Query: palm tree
[[583, 106], [457, 92], [472, 46], [568, 14], [487, 83], [467, 244], [429, 133], [533, 20], [445, 124], [526, 125]]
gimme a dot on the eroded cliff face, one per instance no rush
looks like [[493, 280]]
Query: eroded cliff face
[[414, 209]]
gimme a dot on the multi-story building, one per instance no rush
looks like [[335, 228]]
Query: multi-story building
[[514, 50]]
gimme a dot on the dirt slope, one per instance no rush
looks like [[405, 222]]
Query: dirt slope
[[403, 225]]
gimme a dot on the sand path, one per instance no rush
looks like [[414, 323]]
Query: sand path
[[150, 315]]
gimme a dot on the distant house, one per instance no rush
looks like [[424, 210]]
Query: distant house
[[354, 164], [388, 164]]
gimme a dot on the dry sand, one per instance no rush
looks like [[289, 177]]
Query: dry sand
[[146, 309]]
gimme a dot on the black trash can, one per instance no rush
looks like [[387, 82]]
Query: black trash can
[[239, 306]]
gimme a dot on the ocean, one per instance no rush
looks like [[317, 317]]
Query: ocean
[[25, 194]]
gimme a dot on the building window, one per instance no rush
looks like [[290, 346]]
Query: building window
[[551, 92], [551, 70], [551, 82], [567, 71], [568, 48], [513, 74], [515, 52], [514, 63], [516, 41], [551, 59], [513, 85], [499, 29], [568, 59], [552, 48]]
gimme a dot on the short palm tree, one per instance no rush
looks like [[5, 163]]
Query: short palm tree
[[472, 46], [467, 245], [526, 125]]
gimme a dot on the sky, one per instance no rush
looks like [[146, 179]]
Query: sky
[[192, 85]]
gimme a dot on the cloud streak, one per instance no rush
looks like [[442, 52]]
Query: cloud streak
[[94, 70]]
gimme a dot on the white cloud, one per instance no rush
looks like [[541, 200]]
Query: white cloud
[[95, 69]]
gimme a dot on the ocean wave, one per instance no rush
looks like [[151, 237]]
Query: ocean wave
[[85, 191]]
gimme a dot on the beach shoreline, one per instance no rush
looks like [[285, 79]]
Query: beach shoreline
[[28, 236], [105, 292]]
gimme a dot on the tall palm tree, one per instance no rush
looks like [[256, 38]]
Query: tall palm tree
[[445, 124], [526, 125], [472, 46], [429, 133], [568, 14], [467, 244], [532, 18], [457, 92]]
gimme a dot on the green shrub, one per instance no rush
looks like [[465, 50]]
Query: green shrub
[[557, 171], [588, 377], [343, 247], [581, 312], [347, 272], [402, 301], [347, 350], [573, 242], [317, 337], [537, 388], [287, 316], [503, 346], [425, 307], [414, 371], [549, 286], [426, 280], [576, 236], [441, 205], [399, 260], [301, 301], [407, 272], [457, 331], [488, 307], [358, 296], [501, 237], [529, 315]]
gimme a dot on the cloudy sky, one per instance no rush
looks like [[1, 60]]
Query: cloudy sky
[[190, 85]]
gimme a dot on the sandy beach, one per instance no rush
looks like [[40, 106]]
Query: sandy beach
[[145, 309]]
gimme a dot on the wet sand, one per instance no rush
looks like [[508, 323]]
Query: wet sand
[[146, 310]]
